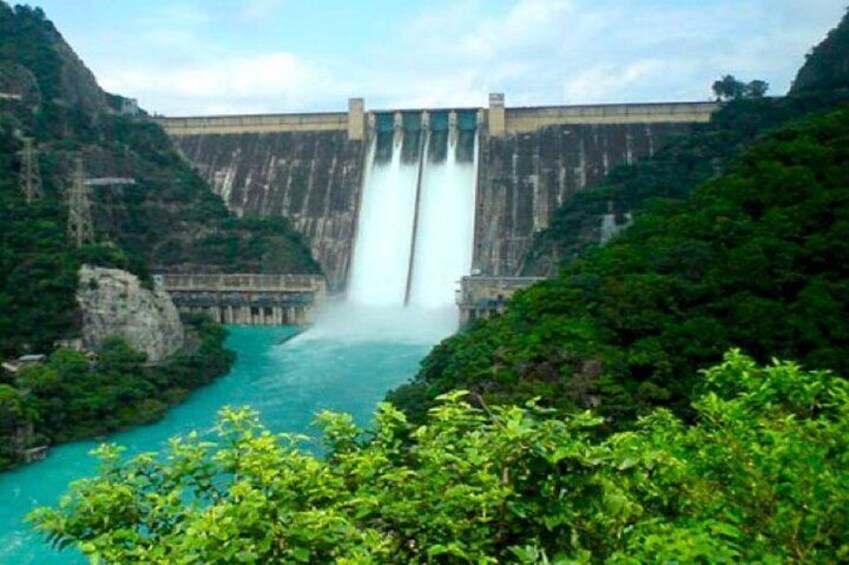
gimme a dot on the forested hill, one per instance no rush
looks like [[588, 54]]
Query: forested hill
[[167, 220], [827, 66], [756, 258]]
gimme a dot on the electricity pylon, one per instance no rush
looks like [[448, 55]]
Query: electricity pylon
[[80, 227], [30, 176]]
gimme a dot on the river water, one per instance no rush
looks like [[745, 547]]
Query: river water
[[287, 382]]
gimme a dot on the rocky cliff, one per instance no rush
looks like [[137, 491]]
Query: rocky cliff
[[113, 303], [311, 178], [524, 178]]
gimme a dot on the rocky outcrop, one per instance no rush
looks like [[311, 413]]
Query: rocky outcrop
[[28, 39], [79, 87], [525, 177], [113, 303]]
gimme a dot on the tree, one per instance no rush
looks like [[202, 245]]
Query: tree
[[14, 417], [760, 476], [756, 89], [729, 88]]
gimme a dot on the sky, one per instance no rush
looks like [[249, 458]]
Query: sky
[[202, 57]]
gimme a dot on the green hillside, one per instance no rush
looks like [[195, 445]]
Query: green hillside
[[169, 220]]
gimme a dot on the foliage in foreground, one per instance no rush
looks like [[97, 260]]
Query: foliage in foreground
[[761, 476]]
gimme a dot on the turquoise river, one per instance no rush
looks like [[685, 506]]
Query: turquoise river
[[287, 381]]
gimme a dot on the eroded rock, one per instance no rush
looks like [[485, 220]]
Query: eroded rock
[[114, 303]]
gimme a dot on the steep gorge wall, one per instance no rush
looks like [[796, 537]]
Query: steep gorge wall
[[312, 178], [524, 177]]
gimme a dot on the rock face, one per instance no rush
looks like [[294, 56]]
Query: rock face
[[113, 303], [312, 178]]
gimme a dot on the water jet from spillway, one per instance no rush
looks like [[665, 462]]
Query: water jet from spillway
[[415, 229]]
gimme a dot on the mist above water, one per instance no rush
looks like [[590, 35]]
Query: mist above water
[[352, 323]]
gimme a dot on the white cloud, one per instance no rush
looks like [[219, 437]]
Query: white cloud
[[453, 54], [596, 83], [262, 83], [258, 11]]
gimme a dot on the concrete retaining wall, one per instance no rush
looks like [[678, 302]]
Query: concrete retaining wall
[[523, 120], [206, 125]]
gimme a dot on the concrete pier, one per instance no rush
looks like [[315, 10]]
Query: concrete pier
[[482, 297], [249, 299]]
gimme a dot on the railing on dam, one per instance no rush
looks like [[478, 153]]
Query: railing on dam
[[520, 120], [254, 123], [245, 282], [254, 299]]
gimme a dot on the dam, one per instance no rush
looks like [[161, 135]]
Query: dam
[[430, 195]]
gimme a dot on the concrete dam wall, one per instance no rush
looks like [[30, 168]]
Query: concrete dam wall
[[312, 178], [309, 168], [524, 177]]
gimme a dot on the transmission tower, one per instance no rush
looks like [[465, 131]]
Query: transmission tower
[[80, 227], [30, 177]]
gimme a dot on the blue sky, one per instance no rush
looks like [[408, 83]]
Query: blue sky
[[190, 57]]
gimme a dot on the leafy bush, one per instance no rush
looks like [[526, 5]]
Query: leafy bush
[[759, 477]]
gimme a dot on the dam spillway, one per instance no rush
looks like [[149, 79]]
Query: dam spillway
[[381, 256], [444, 238], [415, 225]]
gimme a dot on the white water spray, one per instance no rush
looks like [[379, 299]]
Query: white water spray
[[384, 231], [384, 275], [445, 230]]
